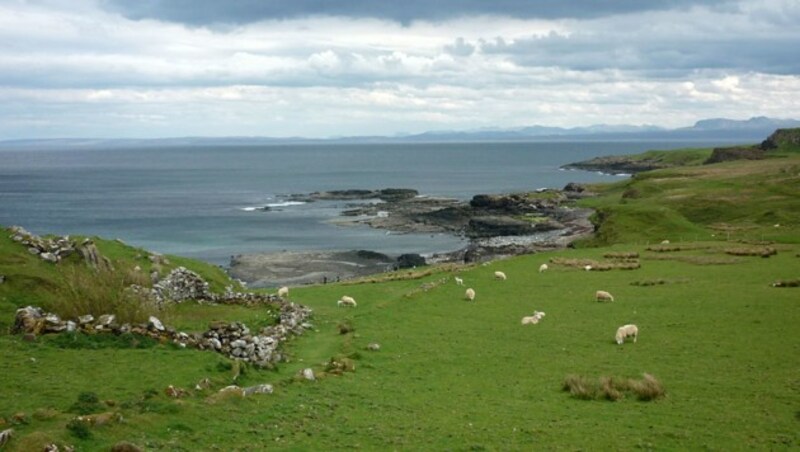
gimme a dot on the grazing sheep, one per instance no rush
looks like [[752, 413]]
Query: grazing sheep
[[587, 268], [665, 242], [602, 295], [470, 294], [459, 281], [500, 275], [6, 435], [543, 268], [346, 301], [626, 331], [283, 291]]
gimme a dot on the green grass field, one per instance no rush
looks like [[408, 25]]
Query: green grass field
[[459, 375]]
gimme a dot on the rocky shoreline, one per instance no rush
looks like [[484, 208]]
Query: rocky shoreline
[[496, 226], [617, 164]]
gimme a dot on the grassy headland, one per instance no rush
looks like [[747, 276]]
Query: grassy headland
[[452, 374]]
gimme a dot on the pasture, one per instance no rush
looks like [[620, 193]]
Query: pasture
[[458, 375]]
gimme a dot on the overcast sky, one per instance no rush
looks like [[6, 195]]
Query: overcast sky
[[318, 68]]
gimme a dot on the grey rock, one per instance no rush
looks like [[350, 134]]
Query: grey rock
[[258, 389], [308, 374]]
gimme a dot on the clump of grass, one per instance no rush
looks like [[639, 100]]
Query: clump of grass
[[632, 264], [649, 282], [79, 429], [580, 387], [346, 326], [698, 260], [647, 388], [99, 292], [765, 251], [87, 403], [622, 255]]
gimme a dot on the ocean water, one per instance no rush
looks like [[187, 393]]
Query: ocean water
[[202, 202]]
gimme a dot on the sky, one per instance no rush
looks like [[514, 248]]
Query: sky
[[323, 68]]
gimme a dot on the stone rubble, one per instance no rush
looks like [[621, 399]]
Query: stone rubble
[[234, 340], [55, 249]]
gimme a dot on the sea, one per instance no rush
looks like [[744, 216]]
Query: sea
[[206, 202]]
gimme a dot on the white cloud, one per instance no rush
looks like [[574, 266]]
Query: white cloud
[[74, 69]]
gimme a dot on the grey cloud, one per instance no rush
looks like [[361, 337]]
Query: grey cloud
[[666, 56], [210, 12]]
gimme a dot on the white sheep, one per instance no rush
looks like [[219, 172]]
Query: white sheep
[[470, 294], [602, 295], [543, 268], [500, 275], [626, 331], [459, 281], [346, 301], [533, 319], [5, 436], [283, 291], [665, 242], [530, 320], [587, 268]]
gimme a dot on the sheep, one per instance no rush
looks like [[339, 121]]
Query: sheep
[[500, 275], [530, 320], [626, 331], [283, 291], [543, 268], [587, 268], [459, 281], [665, 242], [346, 301], [533, 319], [6, 435], [602, 295], [470, 294]]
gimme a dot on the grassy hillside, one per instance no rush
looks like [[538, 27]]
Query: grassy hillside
[[457, 375], [31, 281], [743, 199]]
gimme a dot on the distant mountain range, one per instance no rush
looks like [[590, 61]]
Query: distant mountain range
[[719, 130]]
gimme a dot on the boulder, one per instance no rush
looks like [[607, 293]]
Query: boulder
[[258, 389], [410, 260]]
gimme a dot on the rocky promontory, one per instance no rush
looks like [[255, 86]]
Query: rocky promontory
[[496, 225], [618, 164]]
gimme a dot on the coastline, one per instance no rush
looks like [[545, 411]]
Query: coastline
[[496, 226]]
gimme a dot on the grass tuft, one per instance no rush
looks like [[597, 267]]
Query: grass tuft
[[647, 388], [100, 292]]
